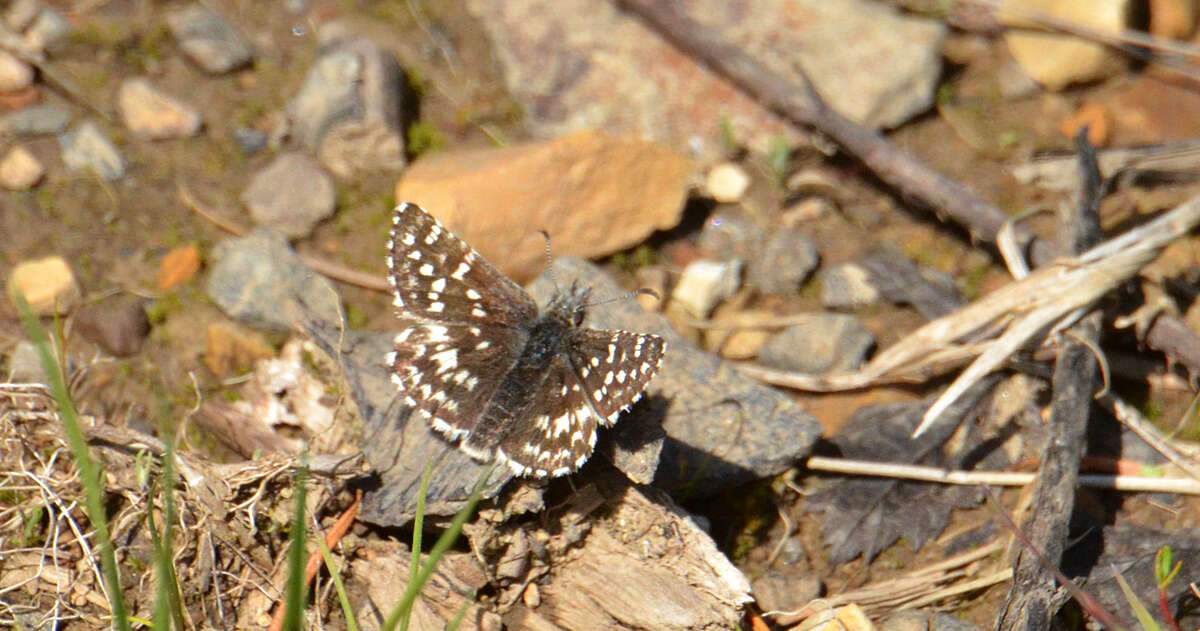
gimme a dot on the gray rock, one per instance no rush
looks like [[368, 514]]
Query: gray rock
[[847, 286], [898, 279], [704, 284], [261, 282], [782, 263], [918, 620], [48, 31], [118, 325], [35, 120], [86, 148], [828, 343], [291, 195], [250, 140], [780, 591], [24, 365], [729, 233], [723, 429], [349, 108], [208, 39]]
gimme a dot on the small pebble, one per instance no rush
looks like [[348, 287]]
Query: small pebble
[[727, 182], [703, 284], [290, 195], [250, 140], [48, 31], [25, 365], [35, 120], [208, 39], [14, 73], [48, 285], [20, 14], [827, 343], [152, 114], [20, 170], [86, 148], [847, 286], [178, 266], [118, 325]]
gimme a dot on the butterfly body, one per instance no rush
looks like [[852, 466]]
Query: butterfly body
[[484, 367]]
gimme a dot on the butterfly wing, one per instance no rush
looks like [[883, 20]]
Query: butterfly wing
[[614, 367], [468, 322]]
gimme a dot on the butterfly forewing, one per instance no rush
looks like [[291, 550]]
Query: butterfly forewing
[[614, 367], [437, 276]]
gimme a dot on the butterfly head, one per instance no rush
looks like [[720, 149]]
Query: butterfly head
[[569, 306]]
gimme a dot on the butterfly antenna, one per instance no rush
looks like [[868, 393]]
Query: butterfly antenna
[[550, 261], [633, 294]]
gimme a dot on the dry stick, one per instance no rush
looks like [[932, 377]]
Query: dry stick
[[911, 178], [1031, 597]]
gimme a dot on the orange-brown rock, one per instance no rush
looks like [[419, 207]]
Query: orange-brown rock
[[595, 194], [178, 266]]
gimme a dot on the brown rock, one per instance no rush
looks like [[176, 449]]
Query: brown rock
[[178, 266], [152, 114], [595, 194], [118, 325], [20, 170], [1057, 61], [229, 348], [48, 285]]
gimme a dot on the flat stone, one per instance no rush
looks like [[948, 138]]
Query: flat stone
[[782, 263], [35, 120], [827, 343], [14, 73], [86, 148], [576, 188], [585, 64], [118, 325], [48, 285], [349, 108], [1055, 60], [208, 39], [20, 170], [291, 195], [259, 281], [149, 113], [25, 365]]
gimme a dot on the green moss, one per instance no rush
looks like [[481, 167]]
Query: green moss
[[971, 284], [632, 260], [356, 318], [423, 138], [166, 304]]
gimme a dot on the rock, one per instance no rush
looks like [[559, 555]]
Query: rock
[[847, 286], [736, 335], [1172, 19], [250, 140], [290, 195], [727, 182], [779, 591], [230, 349], [566, 62], [178, 266], [48, 285], [35, 120], [260, 281], [20, 170], [783, 262], [25, 365], [152, 114], [348, 110], [920, 620], [845, 618], [723, 429], [14, 73], [805, 209], [208, 39], [87, 148], [48, 31], [19, 14], [118, 325], [828, 343], [576, 188], [704, 284], [730, 233], [1057, 61], [890, 273]]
